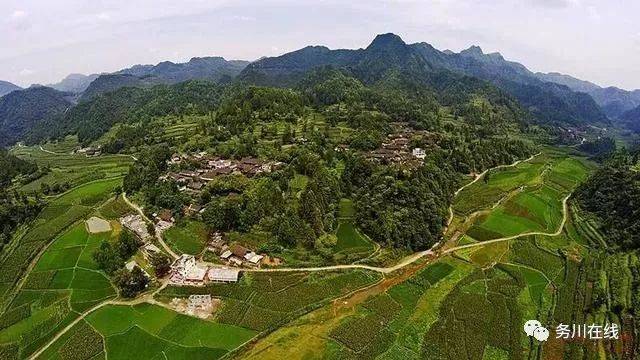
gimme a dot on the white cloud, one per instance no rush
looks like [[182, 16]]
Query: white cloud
[[26, 72], [555, 3], [243, 18], [593, 13], [104, 16], [18, 14]]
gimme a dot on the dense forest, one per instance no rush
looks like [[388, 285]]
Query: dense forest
[[91, 119], [613, 195], [15, 208], [399, 205]]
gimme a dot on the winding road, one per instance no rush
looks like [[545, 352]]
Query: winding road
[[433, 251], [158, 235], [384, 270]]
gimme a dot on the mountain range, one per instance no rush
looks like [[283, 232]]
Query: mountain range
[[547, 101], [7, 87], [613, 101], [552, 99], [215, 69]]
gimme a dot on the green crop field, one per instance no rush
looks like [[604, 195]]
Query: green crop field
[[522, 199], [65, 280], [71, 169], [350, 239], [64, 146], [57, 216], [187, 237]]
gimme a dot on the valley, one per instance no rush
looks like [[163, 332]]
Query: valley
[[368, 315], [389, 202]]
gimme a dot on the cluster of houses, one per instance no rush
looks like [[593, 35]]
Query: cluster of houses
[[234, 255], [396, 148], [185, 270], [211, 167]]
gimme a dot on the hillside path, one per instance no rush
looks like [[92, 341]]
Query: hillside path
[[433, 251], [158, 236]]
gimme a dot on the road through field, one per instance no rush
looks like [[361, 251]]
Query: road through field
[[433, 253], [147, 298]]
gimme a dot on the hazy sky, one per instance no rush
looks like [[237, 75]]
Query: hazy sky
[[41, 41]]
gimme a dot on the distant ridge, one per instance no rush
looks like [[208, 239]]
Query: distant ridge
[[75, 83], [22, 110], [613, 101], [215, 69], [548, 102], [7, 87]]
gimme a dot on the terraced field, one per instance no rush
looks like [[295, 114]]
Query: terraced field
[[523, 199], [64, 280], [67, 168], [472, 304], [468, 304]]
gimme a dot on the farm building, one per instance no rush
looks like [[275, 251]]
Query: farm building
[[419, 153], [198, 302], [239, 251], [150, 249], [238, 255], [223, 275], [136, 224], [217, 243], [196, 275], [253, 258], [186, 271], [226, 255], [165, 215]]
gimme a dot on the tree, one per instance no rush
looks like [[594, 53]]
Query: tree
[[130, 283], [161, 264], [224, 214], [127, 244], [108, 258]]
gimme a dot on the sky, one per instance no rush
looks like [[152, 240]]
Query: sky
[[42, 41]]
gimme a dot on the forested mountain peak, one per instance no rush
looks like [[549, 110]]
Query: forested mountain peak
[[549, 102], [22, 110], [387, 41]]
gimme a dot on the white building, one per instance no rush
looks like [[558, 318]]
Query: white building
[[200, 301], [419, 153], [223, 275]]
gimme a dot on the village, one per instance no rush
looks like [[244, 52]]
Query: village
[[226, 259], [210, 167], [186, 269], [397, 148]]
